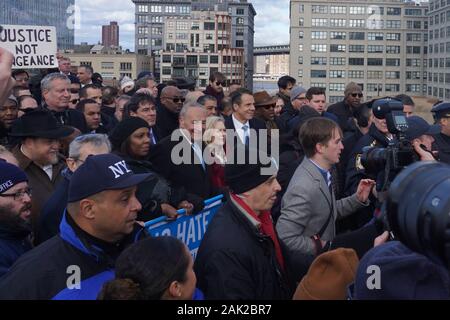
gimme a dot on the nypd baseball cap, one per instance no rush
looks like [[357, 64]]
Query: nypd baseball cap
[[99, 173]]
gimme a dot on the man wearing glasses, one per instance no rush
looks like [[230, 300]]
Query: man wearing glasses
[[167, 113], [217, 81], [15, 212], [344, 110]]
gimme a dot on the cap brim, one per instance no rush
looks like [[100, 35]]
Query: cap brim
[[266, 103], [131, 181]]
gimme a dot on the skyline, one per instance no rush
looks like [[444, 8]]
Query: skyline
[[271, 21]]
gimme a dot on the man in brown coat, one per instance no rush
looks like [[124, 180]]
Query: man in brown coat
[[38, 154]]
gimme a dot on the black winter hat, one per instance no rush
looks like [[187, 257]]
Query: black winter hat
[[251, 171], [124, 129]]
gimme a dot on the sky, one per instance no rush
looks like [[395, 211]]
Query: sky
[[271, 21]]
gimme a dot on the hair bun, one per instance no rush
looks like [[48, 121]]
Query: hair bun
[[120, 289]]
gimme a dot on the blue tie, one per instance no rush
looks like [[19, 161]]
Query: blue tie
[[198, 152], [246, 135]]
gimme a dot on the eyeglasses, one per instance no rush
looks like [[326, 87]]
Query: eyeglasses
[[18, 195], [218, 83], [271, 106], [300, 98], [75, 101], [177, 100], [26, 110], [359, 95]]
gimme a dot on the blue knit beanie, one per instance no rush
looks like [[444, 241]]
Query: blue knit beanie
[[10, 175]]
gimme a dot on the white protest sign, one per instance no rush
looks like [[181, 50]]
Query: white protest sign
[[33, 47]]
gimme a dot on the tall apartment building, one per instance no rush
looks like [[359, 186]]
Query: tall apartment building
[[197, 46], [110, 35], [380, 45], [57, 13], [439, 49], [150, 16]]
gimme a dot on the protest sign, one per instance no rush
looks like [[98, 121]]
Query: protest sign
[[33, 47], [189, 229]]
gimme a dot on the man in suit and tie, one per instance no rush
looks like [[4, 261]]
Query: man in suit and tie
[[179, 157], [309, 208], [242, 119]]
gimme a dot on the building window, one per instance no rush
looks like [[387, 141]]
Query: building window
[[240, 21], [393, 11], [356, 61], [239, 43], [338, 10], [185, 9], [374, 87], [357, 23], [374, 61], [356, 74], [334, 61], [375, 49], [300, 48], [156, 9], [318, 73], [319, 9], [143, 30], [300, 73], [319, 61], [142, 8], [170, 9], [357, 35], [167, 58], [240, 11], [126, 66], [301, 34], [318, 48], [337, 74], [412, 50], [338, 35], [301, 22], [413, 37], [413, 12], [392, 74], [167, 71], [393, 24], [143, 41], [336, 87], [393, 36], [319, 22], [413, 62], [300, 60], [240, 31], [374, 74], [356, 48], [107, 65], [393, 49], [337, 47], [214, 59], [357, 10], [301, 8], [392, 87], [157, 30], [375, 36], [317, 35], [337, 22]]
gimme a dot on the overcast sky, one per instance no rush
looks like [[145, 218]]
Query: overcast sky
[[271, 21]]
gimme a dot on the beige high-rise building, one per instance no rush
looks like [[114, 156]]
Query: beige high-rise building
[[381, 45], [198, 45], [439, 50]]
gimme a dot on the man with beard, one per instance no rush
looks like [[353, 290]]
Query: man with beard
[[15, 211], [217, 81], [38, 153]]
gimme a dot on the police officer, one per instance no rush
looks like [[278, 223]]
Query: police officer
[[442, 140]]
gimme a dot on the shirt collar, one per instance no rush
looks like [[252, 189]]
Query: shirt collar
[[238, 125]]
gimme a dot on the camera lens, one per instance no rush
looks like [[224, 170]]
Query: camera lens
[[418, 209]]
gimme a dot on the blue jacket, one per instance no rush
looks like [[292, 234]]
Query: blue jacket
[[13, 244], [68, 259]]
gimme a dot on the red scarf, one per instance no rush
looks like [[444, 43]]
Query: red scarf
[[266, 227]]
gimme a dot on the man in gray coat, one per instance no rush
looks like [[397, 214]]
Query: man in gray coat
[[309, 208]]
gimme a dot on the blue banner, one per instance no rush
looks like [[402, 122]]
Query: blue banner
[[189, 229]]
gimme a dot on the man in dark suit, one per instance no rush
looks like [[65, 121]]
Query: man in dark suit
[[179, 157], [242, 119], [168, 112]]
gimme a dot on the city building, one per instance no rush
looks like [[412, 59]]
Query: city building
[[198, 45], [380, 45], [110, 35], [151, 14], [439, 49], [272, 61], [111, 63], [57, 13]]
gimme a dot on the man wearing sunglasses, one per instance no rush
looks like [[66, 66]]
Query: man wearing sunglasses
[[217, 81], [15, 212], [168, 112], [344, 110]]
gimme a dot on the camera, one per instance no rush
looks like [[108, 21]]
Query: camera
[[417, 209], [383, 164]]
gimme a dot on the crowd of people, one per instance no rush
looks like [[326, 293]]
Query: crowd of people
[[83, 166]]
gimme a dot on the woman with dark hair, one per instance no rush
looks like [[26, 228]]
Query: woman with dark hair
[[130, 140], [157, 268]]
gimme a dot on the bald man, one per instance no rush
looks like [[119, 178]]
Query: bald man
[[168, 112]]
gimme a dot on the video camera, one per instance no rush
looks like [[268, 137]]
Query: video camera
[[417, 209], [398, 154]]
